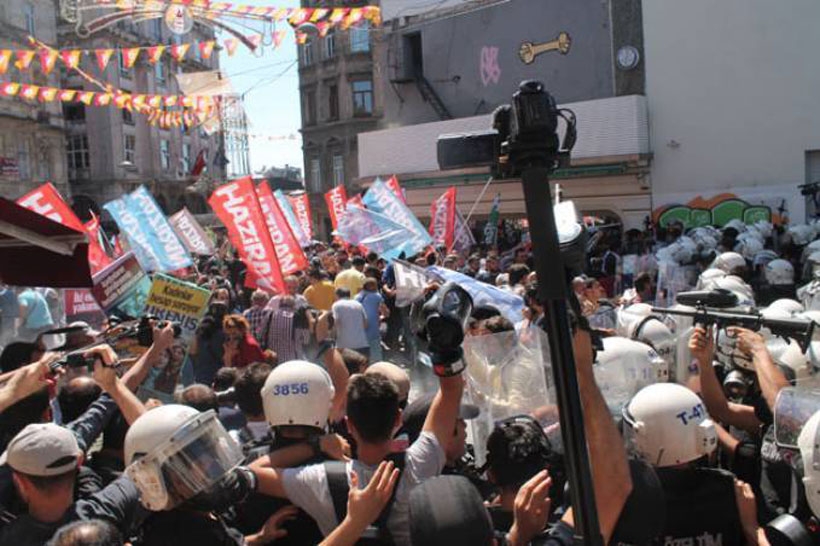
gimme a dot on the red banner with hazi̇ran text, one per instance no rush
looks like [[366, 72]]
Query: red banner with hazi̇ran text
[[443, 218], [288, 251], [48, 202], [301, 207], [237, 206]]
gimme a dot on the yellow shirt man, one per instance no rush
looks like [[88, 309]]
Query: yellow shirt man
[[351, 279], [320, 295]]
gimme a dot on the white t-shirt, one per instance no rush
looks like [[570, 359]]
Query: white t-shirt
[[349, 317], [307, 488]]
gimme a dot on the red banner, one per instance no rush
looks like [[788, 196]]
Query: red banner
[[47, 201], [443, 219], [301, 207], [394, 186], [336, 201], [237, 206], [290, 255]]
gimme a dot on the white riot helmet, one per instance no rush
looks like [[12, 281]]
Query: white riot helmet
[[802, 363], [809, 444], [814, 261], [748, 246], [787, 306], [801, 234], [654, 332], [779, 272], [729, 262], [629, 316], [736, 285], [624, 367], [764, 228], [297, 393], [736, 224], [763, 257], [175, 452], [668, 425], [706, 280]]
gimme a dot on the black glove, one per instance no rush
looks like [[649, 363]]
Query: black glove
[[233, 489], [447, 362]]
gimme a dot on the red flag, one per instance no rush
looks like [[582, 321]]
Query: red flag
[[199, 164], [97, 258], [47, 201], [237, 206], [336, 200], [301, 207], [291, 256], [393, 184], [443, 219]]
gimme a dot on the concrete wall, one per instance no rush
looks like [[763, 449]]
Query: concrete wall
[[733, 97], [472, 59]]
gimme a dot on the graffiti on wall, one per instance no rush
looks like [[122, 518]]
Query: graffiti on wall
[[716, 211], [529, 51], [489, 67]]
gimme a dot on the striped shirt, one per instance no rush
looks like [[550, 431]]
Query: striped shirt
[[281, 337], [256, 318]]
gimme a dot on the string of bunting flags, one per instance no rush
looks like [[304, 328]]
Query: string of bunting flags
[[22, 59]]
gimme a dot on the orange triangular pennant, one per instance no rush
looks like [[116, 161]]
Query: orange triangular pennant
[[206, 49], [103, 56], [48, 94], [48, 58], [179, 51], [24, 58], [87, 97], [155, 53], [129, 56], [5, 57], [71, 57], [230, 46]]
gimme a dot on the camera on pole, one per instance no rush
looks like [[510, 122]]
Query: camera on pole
[[524, 143]]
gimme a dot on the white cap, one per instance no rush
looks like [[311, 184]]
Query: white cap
[[42, 449]]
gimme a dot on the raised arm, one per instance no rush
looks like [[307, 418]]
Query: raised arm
[[339, 376], [22, 382], [163, 339], [126, 400], [702, 347], [610, 470], [443, 414], [769, 376]]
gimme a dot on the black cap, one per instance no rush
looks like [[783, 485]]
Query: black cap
[[416, 412], [448, 510]]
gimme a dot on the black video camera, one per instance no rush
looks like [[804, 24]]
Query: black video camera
[[524, 133], [145, 330]]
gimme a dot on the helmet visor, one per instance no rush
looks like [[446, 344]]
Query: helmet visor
[[196, 457], [793, 408]]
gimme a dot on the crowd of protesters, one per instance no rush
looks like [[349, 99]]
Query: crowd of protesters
[[297, 418]]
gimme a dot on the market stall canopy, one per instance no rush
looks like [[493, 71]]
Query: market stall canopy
[[37, 251]]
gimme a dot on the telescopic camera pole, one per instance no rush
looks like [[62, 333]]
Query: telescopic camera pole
[[552, 292], [534, 151]]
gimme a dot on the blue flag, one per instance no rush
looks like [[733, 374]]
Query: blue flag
[[170, 251], [137, 238], [382, 201]]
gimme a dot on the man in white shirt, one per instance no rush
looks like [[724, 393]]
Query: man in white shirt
[[350, 323]]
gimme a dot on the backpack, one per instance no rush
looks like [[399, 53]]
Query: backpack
[[377, 534]]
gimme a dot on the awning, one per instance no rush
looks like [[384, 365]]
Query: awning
[[37, 251]]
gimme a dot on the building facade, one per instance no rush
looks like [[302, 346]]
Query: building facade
[[32, 144], [341, 95], [733, 102], [449, 69], [112, 151]]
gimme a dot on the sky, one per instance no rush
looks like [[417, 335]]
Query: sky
[[271, 83]]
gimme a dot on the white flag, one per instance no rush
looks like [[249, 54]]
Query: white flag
[[410, 282]]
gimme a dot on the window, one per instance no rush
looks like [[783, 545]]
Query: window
[[307, 54], [124, 72], [127, 116], [77, 152], [316, 174], [333, 101], [156, 28], [362, 97], [360, 38], [23, 162], [159, 73], [330, 45], [28, 14], [185, 164], [129, 146], [165, 154], [338, 170], [73, 111], [310, 107]]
